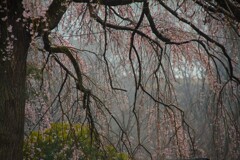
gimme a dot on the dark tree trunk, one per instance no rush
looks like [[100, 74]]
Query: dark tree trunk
[[14, 43]]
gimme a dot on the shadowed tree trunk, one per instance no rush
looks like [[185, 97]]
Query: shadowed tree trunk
[[13, 54], [15, 40]]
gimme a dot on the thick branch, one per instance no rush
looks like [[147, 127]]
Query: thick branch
[[152, 24], [67, 52], [55, 12], [58, 8]]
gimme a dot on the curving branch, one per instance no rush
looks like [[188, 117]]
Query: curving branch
[[201, 33], [65, 50], [232, 7], [228, 8], [152, 24], [58, 7]]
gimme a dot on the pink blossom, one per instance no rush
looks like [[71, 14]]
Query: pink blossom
[[26, 14], [4, 18], [9, 28]]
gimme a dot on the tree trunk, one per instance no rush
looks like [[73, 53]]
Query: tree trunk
[[13, 55]]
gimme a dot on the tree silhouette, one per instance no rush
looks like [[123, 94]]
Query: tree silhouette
[[126, 53]]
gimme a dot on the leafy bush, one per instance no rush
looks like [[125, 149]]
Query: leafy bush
[[60, 142]]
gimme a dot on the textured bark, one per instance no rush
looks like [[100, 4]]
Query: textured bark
[[13, 56]]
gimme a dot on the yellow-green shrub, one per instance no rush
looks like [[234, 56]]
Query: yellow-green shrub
[[62, 143]]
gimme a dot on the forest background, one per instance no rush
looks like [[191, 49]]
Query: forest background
[[119, 79]]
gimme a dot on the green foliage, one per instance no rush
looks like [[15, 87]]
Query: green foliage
[[62, 142]]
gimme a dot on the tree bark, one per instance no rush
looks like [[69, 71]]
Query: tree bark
[[14, 45]]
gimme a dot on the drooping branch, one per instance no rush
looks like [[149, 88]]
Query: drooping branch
[[204, 35], [123, 28], [105, 51], [228, 8], [65, 50], [232, 8]]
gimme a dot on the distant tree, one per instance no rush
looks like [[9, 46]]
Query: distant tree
[[149, 38]]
